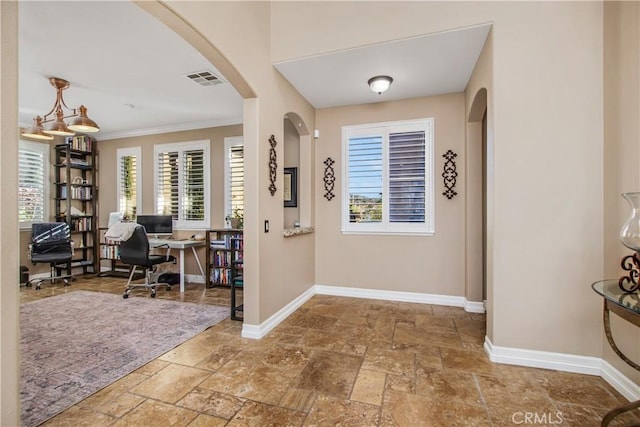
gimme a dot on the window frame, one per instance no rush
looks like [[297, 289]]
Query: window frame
[[181, 147], [45, 149], [132, 152], [229, 143], [383, 129]]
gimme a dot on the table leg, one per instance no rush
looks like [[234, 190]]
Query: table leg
[[618, 411], [195, 255], [181, 270]]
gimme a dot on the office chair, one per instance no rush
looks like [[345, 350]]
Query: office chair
[[50, 243], [136, 252]]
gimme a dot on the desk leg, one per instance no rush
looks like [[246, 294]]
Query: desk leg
[[195, 255], [181, 271]]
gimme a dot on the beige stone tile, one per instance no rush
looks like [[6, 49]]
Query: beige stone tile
[[448, 385], [172, 383], [564, 387], [193, 351], [430, 336], [402, 409], [369, 387], [330, 373], [114, 399], [298, 399], [384, 358], [79, 417], [212, 403], [466, 361], [579, 415], [401, 383], [217, 357], [152, 367], [310, 321], [331, 411], [204, 420], [154, 413], [258, 414]]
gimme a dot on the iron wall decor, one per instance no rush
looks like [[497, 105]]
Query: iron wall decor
[[273, 165], [449, 174], [329, 178]]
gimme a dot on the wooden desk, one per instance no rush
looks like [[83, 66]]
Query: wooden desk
[[182, 244], [627, 306]]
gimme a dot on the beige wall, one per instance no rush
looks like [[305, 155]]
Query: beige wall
[[426, 264], [9, 296], [622, 152]]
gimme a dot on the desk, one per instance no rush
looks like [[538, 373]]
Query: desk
[[181, 245], [627, 306]]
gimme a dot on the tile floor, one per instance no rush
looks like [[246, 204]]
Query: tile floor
[[336, 361]]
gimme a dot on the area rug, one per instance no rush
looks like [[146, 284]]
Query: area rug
[[74, 344]]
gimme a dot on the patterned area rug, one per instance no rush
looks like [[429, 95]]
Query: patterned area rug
[[74, 344]]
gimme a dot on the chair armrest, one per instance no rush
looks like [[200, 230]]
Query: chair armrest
[[164, 245]]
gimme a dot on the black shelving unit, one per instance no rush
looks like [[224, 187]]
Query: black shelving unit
[[75, 187], [220, 255]]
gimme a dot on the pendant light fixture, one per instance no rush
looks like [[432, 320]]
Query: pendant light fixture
[[379, 84], [53, 123]]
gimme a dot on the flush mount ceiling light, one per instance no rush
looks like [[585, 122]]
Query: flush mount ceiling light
[[379, 84], [46, 126]]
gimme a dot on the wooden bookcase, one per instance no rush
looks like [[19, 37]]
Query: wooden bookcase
[[75, 199], [220, 255]]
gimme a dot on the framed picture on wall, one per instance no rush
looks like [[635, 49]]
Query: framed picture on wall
[[290, 187]]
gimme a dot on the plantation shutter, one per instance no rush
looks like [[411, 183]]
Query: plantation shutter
[[407, 177], [31, 185], [191, 202], [365, 179], [128, 186], [236, 180], [167, 179]]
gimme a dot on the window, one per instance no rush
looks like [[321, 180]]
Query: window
[[182, 183], [233, 176], [388, 178], [129, 194], [33, 183]]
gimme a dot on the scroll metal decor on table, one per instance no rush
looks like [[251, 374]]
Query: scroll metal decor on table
[[273, 165], [329, 178], [449, 174]]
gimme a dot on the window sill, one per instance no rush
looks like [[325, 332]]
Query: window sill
[[290, 232]]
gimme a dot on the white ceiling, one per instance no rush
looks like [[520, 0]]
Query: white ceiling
[[130, 70]]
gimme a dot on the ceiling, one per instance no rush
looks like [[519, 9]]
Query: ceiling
[[130, 70]]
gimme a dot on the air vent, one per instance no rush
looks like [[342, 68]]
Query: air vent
[[205, 78]]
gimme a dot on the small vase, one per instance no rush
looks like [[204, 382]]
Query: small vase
[[630, 232]]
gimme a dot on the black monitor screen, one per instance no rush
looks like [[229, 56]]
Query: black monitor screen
[[156, 224]]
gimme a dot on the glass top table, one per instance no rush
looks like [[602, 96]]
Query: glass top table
[[610, 290], [627, 306]]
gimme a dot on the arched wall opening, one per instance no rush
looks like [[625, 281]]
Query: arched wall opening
[[297, 155], [476, 235]]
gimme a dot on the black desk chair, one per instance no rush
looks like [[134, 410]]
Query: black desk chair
[[136, 252], [51, 244]]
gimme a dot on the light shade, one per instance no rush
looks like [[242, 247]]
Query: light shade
[[36, 131], [82, 123], [379, 84], [58, 126]]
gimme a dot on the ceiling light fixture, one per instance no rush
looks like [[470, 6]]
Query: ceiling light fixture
[[46, 126], [379, 84]]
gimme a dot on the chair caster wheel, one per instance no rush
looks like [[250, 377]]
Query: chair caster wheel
[[125, 296], [153, 295]]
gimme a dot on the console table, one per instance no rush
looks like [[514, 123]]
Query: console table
[[627, 306]]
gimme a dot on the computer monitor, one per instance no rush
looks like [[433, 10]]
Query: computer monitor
[[156, 225]]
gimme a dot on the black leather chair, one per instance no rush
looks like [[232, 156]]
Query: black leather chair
[[136, 252], [51, 244]]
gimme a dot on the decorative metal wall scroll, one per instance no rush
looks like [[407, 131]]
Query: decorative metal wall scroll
[[449, 174], [630, 263], [329, 178], [273, 165]]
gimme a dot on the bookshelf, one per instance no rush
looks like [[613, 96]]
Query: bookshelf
[[221, 254], [75, 199]]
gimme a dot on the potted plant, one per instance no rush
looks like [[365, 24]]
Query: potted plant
[[234, 221]]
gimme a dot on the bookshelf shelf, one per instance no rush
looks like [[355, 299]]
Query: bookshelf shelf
[[222, 251]]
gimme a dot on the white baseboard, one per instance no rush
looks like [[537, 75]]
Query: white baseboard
[[193, 278], [564, 362], [259, 331]]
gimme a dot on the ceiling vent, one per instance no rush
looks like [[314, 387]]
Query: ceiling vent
[[205, 78]]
